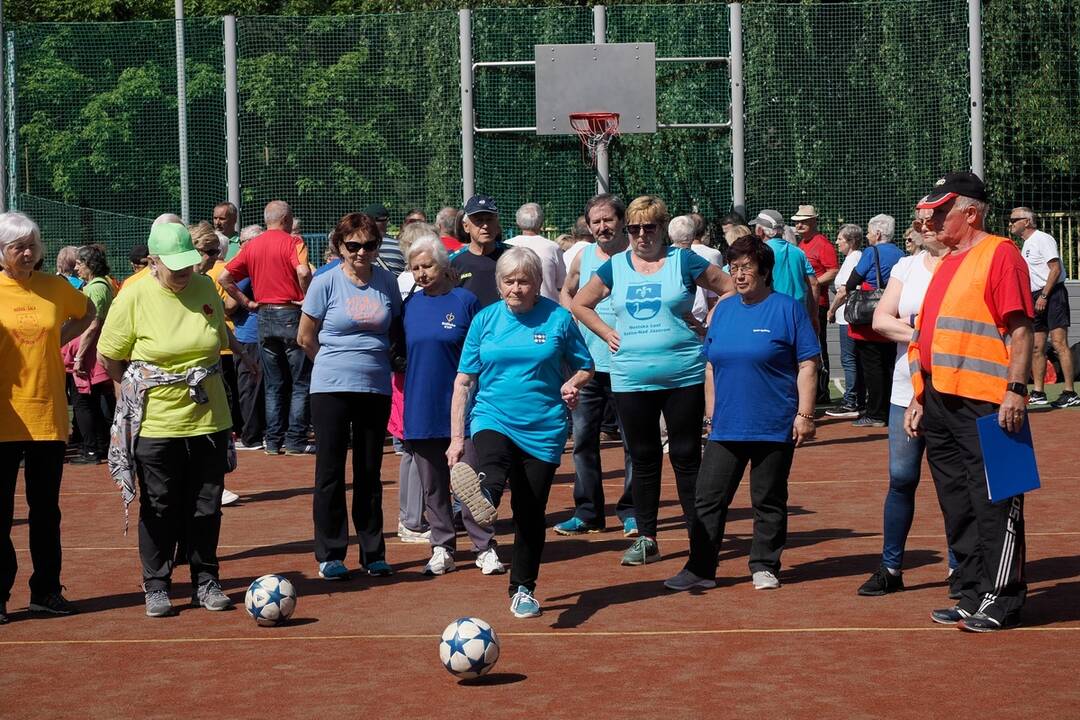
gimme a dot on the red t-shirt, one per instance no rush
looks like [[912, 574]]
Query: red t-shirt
[[1006, 292], [822, 256], [451, 244], [270, 260]]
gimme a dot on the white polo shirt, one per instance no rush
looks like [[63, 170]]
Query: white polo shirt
[[1039, 249]]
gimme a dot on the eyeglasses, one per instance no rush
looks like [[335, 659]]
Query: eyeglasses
[[642, 228], [355, 247], [748, 268], [922, 224]]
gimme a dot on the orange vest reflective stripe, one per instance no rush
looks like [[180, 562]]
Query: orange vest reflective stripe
[[968, 350]]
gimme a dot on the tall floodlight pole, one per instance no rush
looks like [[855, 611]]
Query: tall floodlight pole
[[738, 157], [3, 126], [468, 156], [975, 65], [181, 113], [602, 157], [232, 117]]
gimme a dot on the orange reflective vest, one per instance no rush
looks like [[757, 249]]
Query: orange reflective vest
[[969, 354]]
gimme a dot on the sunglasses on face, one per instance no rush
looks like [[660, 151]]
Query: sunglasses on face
[[369, 246], [1016, 220], [638, 229]]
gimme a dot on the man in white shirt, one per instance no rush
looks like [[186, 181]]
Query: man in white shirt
[[1051, 299], [530, 219]]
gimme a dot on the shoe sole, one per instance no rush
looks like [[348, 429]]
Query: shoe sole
[[943, 621], [631, 533], [501, 570], [35, 608], [767, 587], [648, 559], [570, 533], [538, 613], [431, 573], [466, 485], [343, 576], [160, 613], [703, 584]]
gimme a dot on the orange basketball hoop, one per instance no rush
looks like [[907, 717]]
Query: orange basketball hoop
[[596, 129]]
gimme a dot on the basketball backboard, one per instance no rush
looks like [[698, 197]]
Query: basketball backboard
[[613, 77]]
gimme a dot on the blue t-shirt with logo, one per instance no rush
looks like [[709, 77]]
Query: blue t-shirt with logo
[[521, 362], [657, 349], [354, 337], [755, 351], [435, 330]]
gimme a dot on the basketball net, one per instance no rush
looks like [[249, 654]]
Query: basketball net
[[596, 129]]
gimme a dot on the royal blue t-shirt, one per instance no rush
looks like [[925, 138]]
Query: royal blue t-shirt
[[435, 330], [888, 255], [521, 361], [755, 351], [354, 338], [246, 322]]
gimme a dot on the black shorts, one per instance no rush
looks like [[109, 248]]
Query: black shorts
[[1057, 309]]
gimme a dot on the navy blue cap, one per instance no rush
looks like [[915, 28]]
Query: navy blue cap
[[376, 211], [481, 204]]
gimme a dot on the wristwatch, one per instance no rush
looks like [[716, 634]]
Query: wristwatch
[[1019, 388]]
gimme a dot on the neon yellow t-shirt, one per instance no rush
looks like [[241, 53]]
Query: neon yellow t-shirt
[[175, 331], [33, 404]]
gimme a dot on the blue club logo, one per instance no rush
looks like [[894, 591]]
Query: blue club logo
[[643, 301]]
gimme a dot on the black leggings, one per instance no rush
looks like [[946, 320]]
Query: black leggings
[[499, 458], [94, 415], [683, 409], [337, 417]]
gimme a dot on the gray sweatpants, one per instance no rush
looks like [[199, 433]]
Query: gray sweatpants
[[410, 494], [429, 459]]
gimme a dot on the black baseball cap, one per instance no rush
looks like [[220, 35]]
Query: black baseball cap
[[376, 211], [481, 204], [950, 186]]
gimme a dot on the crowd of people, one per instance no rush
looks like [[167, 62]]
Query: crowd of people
[[481, 354]]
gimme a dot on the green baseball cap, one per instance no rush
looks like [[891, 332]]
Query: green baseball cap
[[172, 243]]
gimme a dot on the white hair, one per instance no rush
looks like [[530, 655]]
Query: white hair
[[446, 220], [520, 259], [884, 224], [167, 219], [432, 245], [1028, 213], [981, 208], [530, 217], [250, 232], [682, 231], [16, 227], [413, 232], [277, 212]]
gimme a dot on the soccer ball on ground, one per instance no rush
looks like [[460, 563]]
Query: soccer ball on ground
[[469, 648], [271, 600]]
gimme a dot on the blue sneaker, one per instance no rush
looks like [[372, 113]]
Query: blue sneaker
[[523, 604], [576, 526], [380, 568], [333, 570], [629, 527]]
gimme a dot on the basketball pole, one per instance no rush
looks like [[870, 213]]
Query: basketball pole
[[975, 68], [468, 122], [181, 112], [232, 118], [3, 124], [602, 165], [738, 157]]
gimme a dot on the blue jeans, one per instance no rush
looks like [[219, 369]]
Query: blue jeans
[[588, 416], [905, 469], [854, 392], [286, 379]]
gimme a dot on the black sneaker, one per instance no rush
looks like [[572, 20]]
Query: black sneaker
[[85, 459], [954, 587], [882, 582], [982, 623], [3, 614], [210, 596], [868, 422], [53, 604], [1066, 399], [949, 616], [843, 411], [1037, 399]]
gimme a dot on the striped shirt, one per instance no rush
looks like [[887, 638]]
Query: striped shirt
[[390, 255]]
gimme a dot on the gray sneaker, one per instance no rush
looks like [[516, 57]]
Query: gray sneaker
[[468, 486], [211, 597], [157, 604]]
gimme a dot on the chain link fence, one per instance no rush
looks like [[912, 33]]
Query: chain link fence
[[852, 107]]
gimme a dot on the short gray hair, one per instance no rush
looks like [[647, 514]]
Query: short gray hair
[[413, 232], [446, 220], [520, 259], [682, 230], [65, 259], [250, 233], [530, 217], [167, 219], [981, 208], [853, 234], [884, 224], [15, 227], [1027, 213], [276, 212], [431, 245]]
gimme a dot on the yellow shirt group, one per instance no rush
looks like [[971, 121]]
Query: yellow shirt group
[[33, 402]]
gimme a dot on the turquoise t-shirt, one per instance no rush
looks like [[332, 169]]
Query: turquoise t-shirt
[[521, 361], [601, 355], [791, 268], [657, 349]]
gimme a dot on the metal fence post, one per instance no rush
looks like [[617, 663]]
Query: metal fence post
[[9, 80], [3, 126], [602, 157], [232, 117], [738, 151], [468, 170], [181, 110], [975, 65]]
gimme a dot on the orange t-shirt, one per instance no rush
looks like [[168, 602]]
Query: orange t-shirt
[[214, 273], [33, 403]]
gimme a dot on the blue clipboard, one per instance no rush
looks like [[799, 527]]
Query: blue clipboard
[[1008, 458]]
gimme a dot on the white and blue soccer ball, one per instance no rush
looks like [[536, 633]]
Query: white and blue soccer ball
[[469, 648], [271, 600]]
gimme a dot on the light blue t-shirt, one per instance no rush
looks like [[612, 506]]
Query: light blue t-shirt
[[657, 349], [790, 270], [755, 351], [521, 361], [601, 355], [354, 337]]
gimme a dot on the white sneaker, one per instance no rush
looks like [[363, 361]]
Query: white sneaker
[[441, 562], [228, 497], [408, 535], [488, 562], [240, 445], [765, 580]]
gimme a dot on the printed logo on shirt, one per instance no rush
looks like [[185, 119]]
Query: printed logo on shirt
[[448, 323], [28, 329], [762, 330], [643, 300], [539, 338], [364, 309]]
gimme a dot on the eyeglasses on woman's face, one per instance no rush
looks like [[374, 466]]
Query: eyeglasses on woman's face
[[640, 228]]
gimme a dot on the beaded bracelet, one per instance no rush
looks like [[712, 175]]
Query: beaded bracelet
[[807, 416]]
